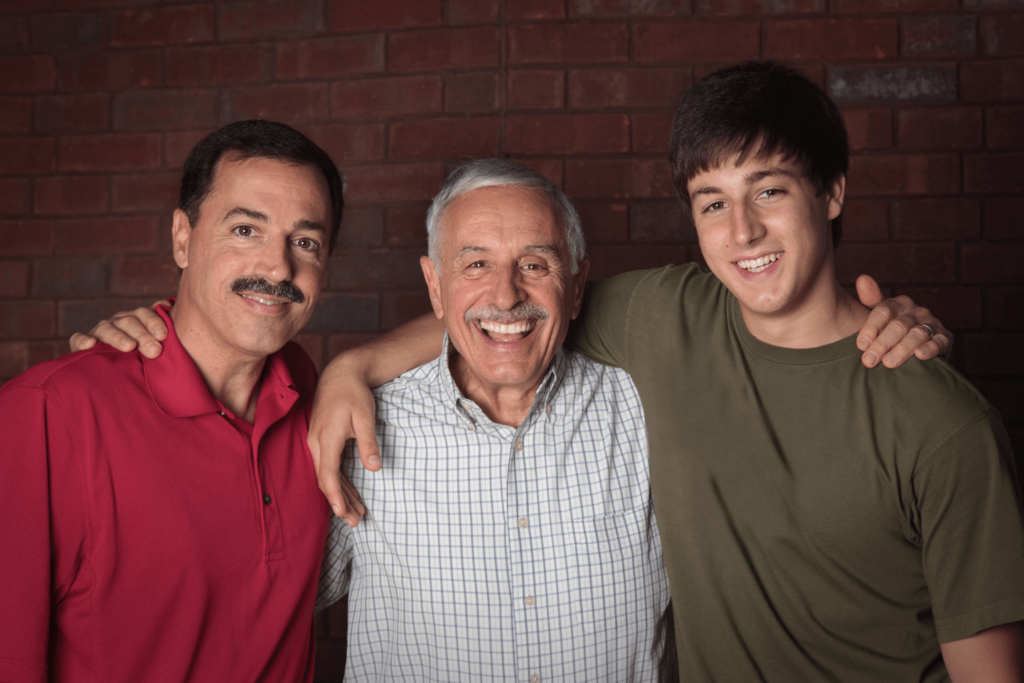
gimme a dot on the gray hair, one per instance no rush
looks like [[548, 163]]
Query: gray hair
[[501, 173]]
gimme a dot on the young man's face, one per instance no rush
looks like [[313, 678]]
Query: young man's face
[[765, 233]]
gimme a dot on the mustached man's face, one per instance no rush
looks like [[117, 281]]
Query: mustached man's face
[[506, 289], [254, 263]]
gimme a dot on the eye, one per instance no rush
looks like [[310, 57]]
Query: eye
[[244, 231], [772, 192], [476, 264], [713, 207], [307, 244]]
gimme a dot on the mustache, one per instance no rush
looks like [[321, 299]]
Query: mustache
[[521, 311], [259, 285]]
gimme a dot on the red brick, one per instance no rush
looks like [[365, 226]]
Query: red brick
[[386, 96], [1003, 127], [26, 155], [552, 169], [406, 226], [697, 41], [604, 222], [289, 103], [535, 9], [845, 6], [568, 43], [313, 345], [178, 145], [618, 178], [992, 173], [618, 8], [918, 264], [15, 114], [443, 48], [376, 269], [344, 313], [358, 15], [935, 83], [329, 57], [155, 276], [336, 343], [1003, 34], [832, 39], [68, 277], [152, 192], [397, 308], [67, 32], [443, 138], [992, 81], [940, 128], [597, 88], [937, 219], [1004, 308], [994, 354], [42, 351], [651, 178], [26, 237], [15, 194], [162, 25], [742, 7], [953, 35], [563, 134], [471, 92], [606, 261], [217, 65], [865, 220], [869, 128], [110, 152], [26, 74], [166, 109], [472, 11], [26, 319], [650, 132], [1008, 399], [361, 227], [349, 141], [1002, 217], [82, 316], [13, 358], [108, 235], [666, 222], [957, 307], [109, 70], [990, 263], [14, 34], [85, 112], [13, 279], [392, 183], [17, 5], [256, 19], [904, 174], [62, 195], [536, 89]]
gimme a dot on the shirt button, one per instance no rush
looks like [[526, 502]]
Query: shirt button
[[519, 445], [530, 601], [535, 678], [221, 413], [266, 499], [547, 409], [523, 522], [470, 426]]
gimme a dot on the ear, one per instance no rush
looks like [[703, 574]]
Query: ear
[[835, 194], [579, 282], [433, 285], [181, 233]]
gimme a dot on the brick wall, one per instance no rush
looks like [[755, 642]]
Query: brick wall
[[100, 101]]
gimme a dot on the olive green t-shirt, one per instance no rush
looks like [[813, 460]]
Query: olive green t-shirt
[[820, 521]]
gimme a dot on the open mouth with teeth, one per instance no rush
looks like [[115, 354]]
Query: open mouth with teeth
[[506, 333], [759, 264], [265, 302]]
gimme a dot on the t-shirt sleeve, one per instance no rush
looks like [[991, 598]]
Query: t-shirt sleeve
[[972, 531], [600, 330]]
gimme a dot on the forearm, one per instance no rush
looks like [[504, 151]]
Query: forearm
[[388, 356], [995, 655]]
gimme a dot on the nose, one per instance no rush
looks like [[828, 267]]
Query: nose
[[508, 289], [275, 260], [746, 227]]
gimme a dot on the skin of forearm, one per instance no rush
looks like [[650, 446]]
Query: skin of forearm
[[388, 356]]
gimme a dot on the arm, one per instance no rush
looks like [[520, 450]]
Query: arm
[[995, 655]]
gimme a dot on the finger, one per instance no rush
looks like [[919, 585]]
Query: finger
[[887, 339], [905, 348], [133, 326], [106, 332], [877, 320], [355, 508], [939, 345], [366, 440], [81, 342], [329, 481], [868, 291], [152, 321]]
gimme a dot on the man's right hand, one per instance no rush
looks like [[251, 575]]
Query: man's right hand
[[126, 330]]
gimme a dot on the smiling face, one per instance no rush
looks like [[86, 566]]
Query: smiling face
[[254, 263], [506, 289], [764, 232]]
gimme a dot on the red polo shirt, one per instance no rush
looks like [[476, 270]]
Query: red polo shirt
[[146, 537]]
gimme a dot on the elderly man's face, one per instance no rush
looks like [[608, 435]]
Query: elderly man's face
[[256, 259], [506, 289]]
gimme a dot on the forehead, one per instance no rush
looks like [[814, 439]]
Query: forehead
[[508, 213], [257, 179]]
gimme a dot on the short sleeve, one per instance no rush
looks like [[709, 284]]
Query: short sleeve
[[336, 567], [972, 531], [599, 332]]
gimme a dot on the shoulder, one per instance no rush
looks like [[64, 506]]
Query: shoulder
[[587, 380], [419, 389], [87, 369]]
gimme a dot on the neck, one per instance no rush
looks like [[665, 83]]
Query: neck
[[231, 377], [502, 404], [827, 317]]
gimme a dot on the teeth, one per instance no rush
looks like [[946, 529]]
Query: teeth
[[514, 328], [265, 302], [758, 264]]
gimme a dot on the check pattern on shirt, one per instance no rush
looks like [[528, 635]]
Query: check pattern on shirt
[[490, 553]]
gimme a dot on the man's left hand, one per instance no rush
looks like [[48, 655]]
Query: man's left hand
[[898, 328]]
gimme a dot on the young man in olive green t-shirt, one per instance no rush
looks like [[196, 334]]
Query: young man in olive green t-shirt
[[820, 520]]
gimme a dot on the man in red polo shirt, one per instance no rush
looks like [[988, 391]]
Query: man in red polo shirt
[[160, 518]]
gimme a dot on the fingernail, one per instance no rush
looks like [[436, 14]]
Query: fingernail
[[374, 459], [889, 359], [337, 510], [153, 346], [871, 358], [862, 343], [161, 330]]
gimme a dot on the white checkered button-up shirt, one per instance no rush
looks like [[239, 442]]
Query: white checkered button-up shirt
[[490, 553]]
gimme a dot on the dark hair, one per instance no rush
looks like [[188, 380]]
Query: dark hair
[[764, 109], [255, 139]]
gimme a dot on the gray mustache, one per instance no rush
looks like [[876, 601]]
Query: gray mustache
[[521, 311], [259, 285]]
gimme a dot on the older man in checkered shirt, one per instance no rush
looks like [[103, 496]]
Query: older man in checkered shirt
[[509, 534]]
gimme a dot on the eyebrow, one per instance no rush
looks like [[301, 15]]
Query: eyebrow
[[302, 224], [533, 248], [749, 179]]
